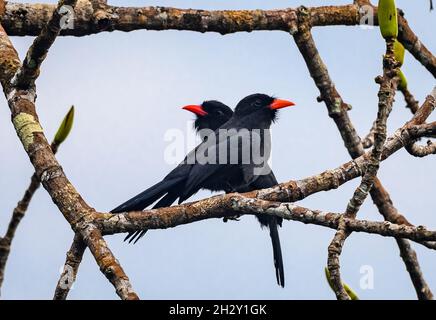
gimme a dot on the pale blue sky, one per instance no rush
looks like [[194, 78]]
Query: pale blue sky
[[128, 89]]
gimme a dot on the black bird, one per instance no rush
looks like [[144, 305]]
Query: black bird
[[212, 116], [256, 111]]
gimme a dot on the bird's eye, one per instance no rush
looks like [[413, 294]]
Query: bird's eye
[[257, 103], [219, 112]]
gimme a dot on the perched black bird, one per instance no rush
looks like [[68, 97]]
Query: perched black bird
[[212, 116], [256, 111]]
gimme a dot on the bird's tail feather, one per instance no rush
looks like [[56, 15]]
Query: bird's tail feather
[[143, 200], [166, 201], [277, 252], [147, 197]]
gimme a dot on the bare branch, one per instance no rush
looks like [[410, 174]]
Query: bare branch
[[227, 205], [417, 150], [75, 210], [17, 215], [412, 104], [29, 71], [368, 141], [411, 261], [386, 100], [338, 111], [28, 19], [95, 16], [336, 107], [71, 267]]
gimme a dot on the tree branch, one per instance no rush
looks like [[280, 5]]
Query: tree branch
[[411, 261], [75, 210], [388, 86], [29, 19], [227, 205], [36, 54], [411, 103], [71, 267], [417, 150], [96, 16], [17, 215], [338, 112]]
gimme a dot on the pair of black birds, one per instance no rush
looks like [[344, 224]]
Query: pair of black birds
[[256, 111]]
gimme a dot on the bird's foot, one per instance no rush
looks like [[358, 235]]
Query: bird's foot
[[233, 218]]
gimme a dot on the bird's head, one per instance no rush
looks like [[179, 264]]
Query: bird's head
[[260, 108], [210, 114]]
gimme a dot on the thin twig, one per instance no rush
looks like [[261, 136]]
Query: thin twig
[[17, 215], [411, 261], [411, 103], [71, 267], [368, 141], [417, 150], [36, 54]]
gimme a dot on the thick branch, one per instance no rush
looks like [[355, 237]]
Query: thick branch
[[29, 19], [227, 205], [75, 210]]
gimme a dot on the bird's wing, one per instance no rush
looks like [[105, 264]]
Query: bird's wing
[[263, 179], [202, 169], [199, 173]]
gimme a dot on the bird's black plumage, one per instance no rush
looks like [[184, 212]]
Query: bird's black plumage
[[217, 113], [253, 112], [213, 115]]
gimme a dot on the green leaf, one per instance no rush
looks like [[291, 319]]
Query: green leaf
[[387, 18], [65, 127], [348, 290]]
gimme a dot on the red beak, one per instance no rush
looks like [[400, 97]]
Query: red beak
[[279, 104], [197, 109]]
